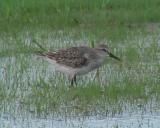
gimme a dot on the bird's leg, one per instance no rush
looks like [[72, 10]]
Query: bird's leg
[[73, 80]]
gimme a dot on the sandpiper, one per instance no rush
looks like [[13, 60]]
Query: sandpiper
[[80, 60]]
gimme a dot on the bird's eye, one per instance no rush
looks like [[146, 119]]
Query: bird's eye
[[104, 50]]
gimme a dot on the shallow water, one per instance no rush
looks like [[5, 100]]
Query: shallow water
[[120, 121], [31, 97]]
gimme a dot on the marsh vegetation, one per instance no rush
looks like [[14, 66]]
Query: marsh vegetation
[[31, 92]]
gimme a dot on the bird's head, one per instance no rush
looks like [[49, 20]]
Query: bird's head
[[104, 51]]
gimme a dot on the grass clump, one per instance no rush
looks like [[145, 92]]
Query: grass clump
[[82, 14], [59, 23]]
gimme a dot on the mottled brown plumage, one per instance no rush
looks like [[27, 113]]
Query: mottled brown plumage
[[78, 60], [71, 57]]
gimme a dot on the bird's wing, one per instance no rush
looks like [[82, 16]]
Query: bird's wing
[[72, 57]]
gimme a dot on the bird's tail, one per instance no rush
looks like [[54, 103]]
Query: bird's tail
[[45, 55], [40, 54]]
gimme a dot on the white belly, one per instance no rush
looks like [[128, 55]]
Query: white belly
[[87, 69], [76, 71], [61, 68]]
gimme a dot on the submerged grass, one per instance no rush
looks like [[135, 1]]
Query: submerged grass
[[34, 87]]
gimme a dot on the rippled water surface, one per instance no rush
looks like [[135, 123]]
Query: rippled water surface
[[121, 95], [120, 121]]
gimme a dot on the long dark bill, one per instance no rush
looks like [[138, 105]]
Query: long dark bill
[[113, 56]]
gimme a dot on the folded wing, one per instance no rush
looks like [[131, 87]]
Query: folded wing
[[71, 57]]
